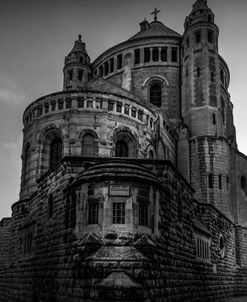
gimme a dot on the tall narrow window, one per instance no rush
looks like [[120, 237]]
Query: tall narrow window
[[60, 104], [126, 109], [80, 102], [210, 36], [70, 74], [119, 61], [110, 105], [88, 148], [122, 149], [101, 71], [174, 54], [214, 119], [198, 36], [227, 182], [198, 72], [46, 108], [111, 64], [155, 54], [118, 213], [133, 111], [55, 151], [93, 209], [143, 214], [210, 181], [155, 94], [137, 56], [212, 77], [140, 115], [164, 54], [68, 103], [106, 68], [146, 55], [50, 206], [119, 107], [53, 105], [80, 75], [220, 182]]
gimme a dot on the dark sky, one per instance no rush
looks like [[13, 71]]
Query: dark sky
[[36, 35]]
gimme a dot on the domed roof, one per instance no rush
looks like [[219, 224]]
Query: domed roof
[[155, 29]]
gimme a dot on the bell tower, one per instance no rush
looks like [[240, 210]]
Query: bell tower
[[200, 72], [77, 70], [203, 112]]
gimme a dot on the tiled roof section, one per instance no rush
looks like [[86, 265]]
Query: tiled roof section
[[156, 29]]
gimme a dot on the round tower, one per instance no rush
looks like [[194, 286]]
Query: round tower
[[77, 70], [200, 72], [206, 109]]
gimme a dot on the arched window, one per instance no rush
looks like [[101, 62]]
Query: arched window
[[243, 184], [122, 149], [88, 146], [26, 162], [155, 94], [55, 151]]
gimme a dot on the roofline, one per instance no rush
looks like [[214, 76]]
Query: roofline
[[144, 103]]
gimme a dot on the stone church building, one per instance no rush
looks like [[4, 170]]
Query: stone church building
[[132, 186]]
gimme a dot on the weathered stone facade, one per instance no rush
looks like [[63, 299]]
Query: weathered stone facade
[[132, 186]]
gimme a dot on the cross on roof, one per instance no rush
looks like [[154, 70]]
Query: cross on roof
[[155, 13]]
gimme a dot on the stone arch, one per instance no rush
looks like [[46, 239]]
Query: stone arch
[[155, 78], [156, 90], [49, 128], [89, 142], [125, 144]]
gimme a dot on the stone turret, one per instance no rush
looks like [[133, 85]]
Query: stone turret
[[203, 110], [77, 70], [200, 68]]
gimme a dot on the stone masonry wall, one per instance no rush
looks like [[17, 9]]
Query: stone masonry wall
[[161, 266], [210, 155], [241, 168], [5, 235]]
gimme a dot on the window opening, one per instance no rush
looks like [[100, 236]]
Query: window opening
[[118, 213], [55, 151], [122, 149], [119, 61], [164, 54], [93, 208], [88, 148], [155, 54], [155, 94], [143, 214], [146, 55], [210, 181], [174, 54], [137, 56]]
